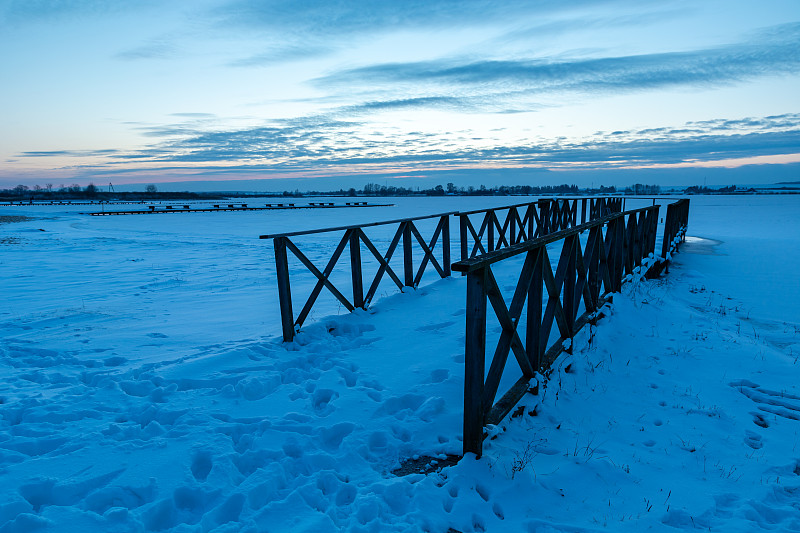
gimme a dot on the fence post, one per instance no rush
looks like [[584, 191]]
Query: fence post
[[408, 264], [569, 285], [490, 230], [355, 268], [619, 252], [474, 361], [593, 274], [512, 225], [544, 216], [573, 212], [666, 243], [463, 220], [446, 245], [284, 289], [531, 210], [534, 315]]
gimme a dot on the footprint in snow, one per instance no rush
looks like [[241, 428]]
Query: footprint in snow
[[439, 375], [760, 420], [321, 400], [201, 465], [753, 440], [498, 511], [447, 504]]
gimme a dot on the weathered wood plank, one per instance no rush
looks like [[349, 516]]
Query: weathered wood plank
[[408, 258], [463, 220], [284, 288], [474, 362], [445, 223], [356, 276], [569, 284], [534, 314], [345, 228]]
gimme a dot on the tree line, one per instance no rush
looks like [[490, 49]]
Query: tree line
[[150, 192]]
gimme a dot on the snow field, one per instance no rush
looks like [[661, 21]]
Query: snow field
[[171, 410]]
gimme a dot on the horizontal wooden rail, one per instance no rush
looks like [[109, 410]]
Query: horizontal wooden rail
[[354, 226], [586, 275]]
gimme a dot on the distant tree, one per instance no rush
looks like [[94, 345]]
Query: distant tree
[[351, 192], [451, 188], [91, 190], [49, 187], [150, 189], [20, 190]]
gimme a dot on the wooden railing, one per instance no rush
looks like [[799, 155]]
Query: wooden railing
[[585, 276], [675, 225], [523, 222], [352, 238]]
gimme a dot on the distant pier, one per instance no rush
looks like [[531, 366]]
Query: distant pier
[[187, 208]]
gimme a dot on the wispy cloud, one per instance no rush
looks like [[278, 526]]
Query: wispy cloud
[[153, 50], [193, 115], [707, 67], [69, 153], [317, 143], [330, 19], [285, 52], [320, 27], [17, 12]]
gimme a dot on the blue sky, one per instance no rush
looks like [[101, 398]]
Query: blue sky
[[145, 91]]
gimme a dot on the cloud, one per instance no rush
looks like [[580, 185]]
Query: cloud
[[69, 153], [24, 11], [325, 142], [319, 27], [346, 19], [193, 115], [153, 50], [705, 67], [285, 52]]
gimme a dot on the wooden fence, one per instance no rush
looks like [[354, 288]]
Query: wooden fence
[[596, 256], [585, 276], [523, 222], [538, 218], [352, 238], [675, 226]]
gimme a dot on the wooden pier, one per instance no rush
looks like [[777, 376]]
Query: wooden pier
[[602, 246], [186, 208]]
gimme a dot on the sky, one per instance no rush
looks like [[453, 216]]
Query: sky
[[327, 92]]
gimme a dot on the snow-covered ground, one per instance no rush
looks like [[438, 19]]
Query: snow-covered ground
[[145, 387]]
